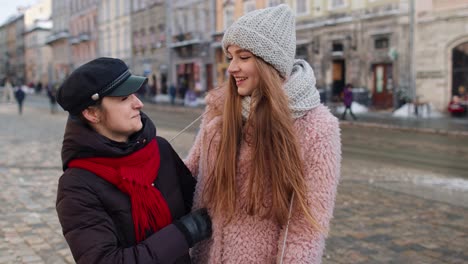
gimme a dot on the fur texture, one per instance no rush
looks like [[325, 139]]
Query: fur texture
[[249, 239]]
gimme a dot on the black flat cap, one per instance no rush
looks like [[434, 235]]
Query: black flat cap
[[93, 81]]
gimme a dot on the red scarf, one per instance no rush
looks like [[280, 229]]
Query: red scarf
[[134, 175]]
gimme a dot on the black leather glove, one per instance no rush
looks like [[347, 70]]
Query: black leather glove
[[195, 226]]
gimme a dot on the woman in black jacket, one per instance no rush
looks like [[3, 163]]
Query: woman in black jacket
[[125, 195]]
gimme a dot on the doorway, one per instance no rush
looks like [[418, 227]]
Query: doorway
[[382, 90], [338, 78], [460, 70]]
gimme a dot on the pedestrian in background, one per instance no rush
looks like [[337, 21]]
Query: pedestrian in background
[[8, 91], [125, 195], [267, 157], [20, 95], [172, 93], [51, 93], [348, 101]]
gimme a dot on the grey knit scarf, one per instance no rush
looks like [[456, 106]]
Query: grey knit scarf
[[300, 89]]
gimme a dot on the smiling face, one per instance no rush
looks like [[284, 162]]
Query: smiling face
[[243, 69], [117, 118]]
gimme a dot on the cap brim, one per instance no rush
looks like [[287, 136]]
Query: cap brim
[[129, 86]]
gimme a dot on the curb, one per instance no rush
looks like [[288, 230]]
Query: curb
[[401, 128]]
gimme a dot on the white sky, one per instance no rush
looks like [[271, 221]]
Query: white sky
[[8, 7]]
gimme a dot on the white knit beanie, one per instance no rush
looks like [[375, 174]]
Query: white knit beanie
[[269, 34]]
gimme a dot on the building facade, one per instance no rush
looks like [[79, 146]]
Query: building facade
[[364, 43], [441, 44], [38, 55], [83, 31], [4, 61], [13, 49], [191, 59], [61, 65], [149, 44], [114, 24]]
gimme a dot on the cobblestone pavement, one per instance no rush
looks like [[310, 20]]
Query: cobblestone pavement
[[382, 215]]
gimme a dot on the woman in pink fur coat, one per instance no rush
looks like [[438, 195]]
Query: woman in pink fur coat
[[268, 154]]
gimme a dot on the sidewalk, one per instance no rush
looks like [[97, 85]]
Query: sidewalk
[[440, 125]]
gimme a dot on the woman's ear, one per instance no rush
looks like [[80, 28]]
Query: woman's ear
[[92, 114]]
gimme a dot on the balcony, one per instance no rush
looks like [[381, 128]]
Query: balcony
[[57, 36], [84, 37], [74, 40]]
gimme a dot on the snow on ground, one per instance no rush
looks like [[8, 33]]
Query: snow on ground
[[407, 110], [355, 107]]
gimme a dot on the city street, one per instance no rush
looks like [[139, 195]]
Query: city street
[[403, 195]]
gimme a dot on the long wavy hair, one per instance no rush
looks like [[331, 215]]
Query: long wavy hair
[[276, 161]]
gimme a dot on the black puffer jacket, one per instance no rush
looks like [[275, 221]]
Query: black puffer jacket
[[96, 216]]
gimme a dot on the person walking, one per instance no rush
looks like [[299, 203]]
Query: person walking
[[51, 93], [8, 93], [267, 156], [172, 93], [20, 95], [348, 101], [125, 195]]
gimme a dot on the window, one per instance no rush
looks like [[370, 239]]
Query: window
[[136, 40], [302, 7], [117, 8], [337, 47], [143, 42], [228, 16], [381, 43], [249, 6], [301, 52], [271, 3], [337, 4]]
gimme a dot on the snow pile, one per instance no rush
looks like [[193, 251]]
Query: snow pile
[[425, 111], [355, 107]]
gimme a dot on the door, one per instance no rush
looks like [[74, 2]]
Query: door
[[338, 75], [382, 92]]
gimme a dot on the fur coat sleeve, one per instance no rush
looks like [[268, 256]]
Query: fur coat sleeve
[[320, 137]]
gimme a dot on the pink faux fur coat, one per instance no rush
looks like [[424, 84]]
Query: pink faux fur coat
[[249, 239]]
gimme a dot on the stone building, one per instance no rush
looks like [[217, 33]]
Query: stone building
[[4, 64], [13, 49], [61, 65], [441, 44], [38, 55], [83, 31], [149, 44], [114, 24], [191, 59], [364, 43]]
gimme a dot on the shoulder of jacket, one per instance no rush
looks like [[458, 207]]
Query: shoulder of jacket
[[215, 98], [319, 122], [76, 177], [162, 142]]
